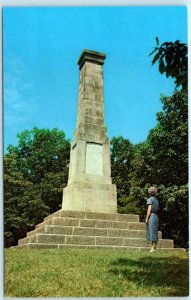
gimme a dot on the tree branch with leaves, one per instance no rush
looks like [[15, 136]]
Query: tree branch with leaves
[[172, 58]]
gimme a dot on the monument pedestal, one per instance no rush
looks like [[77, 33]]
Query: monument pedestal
[[90, 196]]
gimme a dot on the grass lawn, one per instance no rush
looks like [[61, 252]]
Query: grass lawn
[[94, 273]]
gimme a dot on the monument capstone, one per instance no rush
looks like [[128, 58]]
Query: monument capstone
[[90, 185]]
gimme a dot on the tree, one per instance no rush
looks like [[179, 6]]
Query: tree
[[163, 158], [174, 213], [122, 152], [23, 207], [121, 157], [173, 61], [169, 140], [35, 172]]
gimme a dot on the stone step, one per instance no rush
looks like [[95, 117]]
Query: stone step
[[76, 230], [98, 223], [162, 243], [137, 226], [69, 230], [94, 215], [46, 222], [35, 231], [88, 219], [110, 232], [126, 248], [98, 240], [23, 241], [88, 229], [62, 221], [112, 217], [117, 225], [55, 214]]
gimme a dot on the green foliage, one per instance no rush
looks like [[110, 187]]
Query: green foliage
[[173, 61], [174, 213], [122, 152], [163, 158], [128, 205], [163, 161], [41, 151], [35, 173], [169, 140], [139, 196], [121, 157], [141, 167]]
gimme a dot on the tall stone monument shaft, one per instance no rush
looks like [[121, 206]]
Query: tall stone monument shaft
[[89, 185]]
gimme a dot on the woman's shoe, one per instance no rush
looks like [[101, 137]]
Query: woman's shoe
[[152, 250]]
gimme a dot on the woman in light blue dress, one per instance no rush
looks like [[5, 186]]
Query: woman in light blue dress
[[152, 219]]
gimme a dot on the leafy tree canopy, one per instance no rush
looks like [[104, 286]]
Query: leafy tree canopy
[[173, 61], [121, 157], [163, 158], [35, 172]]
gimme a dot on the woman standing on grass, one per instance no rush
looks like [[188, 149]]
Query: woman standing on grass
[[152, 219]]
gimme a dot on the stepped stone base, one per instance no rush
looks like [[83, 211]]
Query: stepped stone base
[[91, 230]]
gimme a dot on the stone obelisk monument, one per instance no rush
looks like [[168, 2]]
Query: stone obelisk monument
[[89, 185]]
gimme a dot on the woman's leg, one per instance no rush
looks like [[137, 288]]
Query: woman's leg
[[153, 247]]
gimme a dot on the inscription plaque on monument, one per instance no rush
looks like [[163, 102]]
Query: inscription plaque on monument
[[94, 160]]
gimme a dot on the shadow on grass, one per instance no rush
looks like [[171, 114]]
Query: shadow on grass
[[169, 273]]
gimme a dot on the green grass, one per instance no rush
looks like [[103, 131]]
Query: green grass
[[94, 273]]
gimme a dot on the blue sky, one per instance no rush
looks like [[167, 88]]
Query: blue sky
[[41, 47]]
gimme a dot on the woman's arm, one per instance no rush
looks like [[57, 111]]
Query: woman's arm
[[149, 209]]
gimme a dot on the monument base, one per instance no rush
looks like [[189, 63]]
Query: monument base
[[90, 197], [76, 229]]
